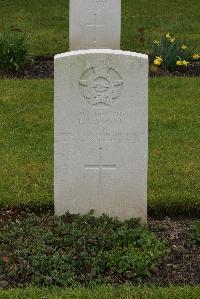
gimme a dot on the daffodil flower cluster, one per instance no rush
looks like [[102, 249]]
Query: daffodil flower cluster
[[169, 52]]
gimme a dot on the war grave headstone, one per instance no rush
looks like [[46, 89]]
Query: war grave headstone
[[101, 131], [95, 24]]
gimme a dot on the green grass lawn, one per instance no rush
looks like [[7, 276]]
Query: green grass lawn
[[104, 292], [174, 160], [26, 132], [27, 141], [46, 22]]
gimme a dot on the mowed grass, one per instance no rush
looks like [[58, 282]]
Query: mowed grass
[[174, 145], [26, 141], [46, 22], [104, 292], [174, 161]]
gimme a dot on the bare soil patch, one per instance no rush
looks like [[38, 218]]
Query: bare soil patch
[[182, 266]]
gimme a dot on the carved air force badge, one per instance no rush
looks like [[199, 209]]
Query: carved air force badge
[[101, 85]]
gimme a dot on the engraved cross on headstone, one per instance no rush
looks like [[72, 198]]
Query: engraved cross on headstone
[[95, 26], [100, 166]]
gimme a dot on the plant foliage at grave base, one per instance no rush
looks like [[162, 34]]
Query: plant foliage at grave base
[[195, 233], [13, 50], [76, 250]]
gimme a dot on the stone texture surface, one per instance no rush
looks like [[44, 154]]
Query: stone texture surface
[[101, 133], [95, 24]]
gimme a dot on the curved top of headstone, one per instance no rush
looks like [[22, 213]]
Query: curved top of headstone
[[101, 51]]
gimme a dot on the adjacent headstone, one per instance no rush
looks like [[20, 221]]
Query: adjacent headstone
[[101, 133], [95, 24]]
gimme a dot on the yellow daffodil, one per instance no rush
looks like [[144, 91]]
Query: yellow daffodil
[[196, 56], [182, 62], [156, 42], [158, 60], [179, 62], [172, 40], [183, 47], [185, 62], [168, 35]]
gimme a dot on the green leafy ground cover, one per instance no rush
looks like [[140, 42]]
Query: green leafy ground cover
[[104, 292], [26, 151], [46, 22], [195, 233], [76, 250]]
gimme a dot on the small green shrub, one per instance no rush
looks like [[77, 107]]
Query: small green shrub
[[74, 250], [13, 50], [171, 53], [195, 233]]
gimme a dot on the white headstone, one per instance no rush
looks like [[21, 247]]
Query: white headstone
[[101, 137], [95, 24]]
